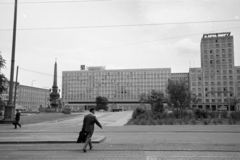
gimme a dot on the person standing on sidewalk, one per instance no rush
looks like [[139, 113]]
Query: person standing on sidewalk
[[17, 119], [88, 126]]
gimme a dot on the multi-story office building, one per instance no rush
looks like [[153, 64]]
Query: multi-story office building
[[180, 76], [122, 87], [216, 81], [30, 98]]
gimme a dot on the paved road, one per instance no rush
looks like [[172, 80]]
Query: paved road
[[123, 142], [119, 152]]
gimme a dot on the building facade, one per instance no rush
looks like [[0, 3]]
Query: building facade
[[30, 98], [216, 81], [121, 87]]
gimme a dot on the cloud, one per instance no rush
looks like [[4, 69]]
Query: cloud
[[186, 47]]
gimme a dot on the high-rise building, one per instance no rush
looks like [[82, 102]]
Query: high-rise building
[[215, 81]]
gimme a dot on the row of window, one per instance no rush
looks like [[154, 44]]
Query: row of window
[[211, 51], [217, 56], [223, 39], [105, 73], [217, 45]]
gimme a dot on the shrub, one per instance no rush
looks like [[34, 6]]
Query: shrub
[[220, 120], [193, 121], [137, 112], [211, 114], [224, 114], [215, 121], [199, 113], [180, 121], [186, 120], [230, 121], [206, 121], [159, 121], [235, 115]]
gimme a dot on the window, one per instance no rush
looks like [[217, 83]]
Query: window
[[217, 45], [230, 71], [211, 51], [229, 50], [229, 44], [223, 50], [205, 51], [230, 60], [217, 50]]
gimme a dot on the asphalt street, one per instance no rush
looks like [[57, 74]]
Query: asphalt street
[[57, 140]]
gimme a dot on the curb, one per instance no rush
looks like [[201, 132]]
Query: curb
[[96, 140]]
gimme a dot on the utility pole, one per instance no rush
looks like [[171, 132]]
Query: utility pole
[[16, 83], [9, 112]]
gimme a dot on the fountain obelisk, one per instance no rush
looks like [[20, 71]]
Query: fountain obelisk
[[54, 95]]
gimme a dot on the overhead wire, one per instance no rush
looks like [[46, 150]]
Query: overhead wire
[[38, 72], [124, 45], [70, 1], [123, 25]]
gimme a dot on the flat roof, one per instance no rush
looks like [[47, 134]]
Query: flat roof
[[221, 34]]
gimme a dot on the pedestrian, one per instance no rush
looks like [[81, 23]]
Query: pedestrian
[[17, 119], [88, 126]]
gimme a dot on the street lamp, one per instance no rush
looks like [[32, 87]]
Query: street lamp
[[10, 108], [32, 91]]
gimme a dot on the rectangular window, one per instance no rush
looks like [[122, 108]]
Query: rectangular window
[[223, 50]]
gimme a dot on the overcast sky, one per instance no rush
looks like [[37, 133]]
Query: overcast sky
[[118, 34]]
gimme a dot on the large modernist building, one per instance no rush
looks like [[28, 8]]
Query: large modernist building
[[214, 83], [121, 87], [218, 80], [29, 98]]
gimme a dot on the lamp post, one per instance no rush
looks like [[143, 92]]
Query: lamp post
[[32, 91], [9, 112]]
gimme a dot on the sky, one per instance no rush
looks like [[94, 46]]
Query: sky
[[118, 34]]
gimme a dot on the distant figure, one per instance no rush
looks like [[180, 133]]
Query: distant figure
[[17, 119], [88, 126]]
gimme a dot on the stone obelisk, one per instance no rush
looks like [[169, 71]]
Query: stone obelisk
[[54, 95]]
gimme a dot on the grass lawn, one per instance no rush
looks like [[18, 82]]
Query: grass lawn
[[30, 118]]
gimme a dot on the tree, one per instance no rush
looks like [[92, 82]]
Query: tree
[[101, 103], [233, 102], [155, 98], [3, 82], [179, 94], [3, 79]]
